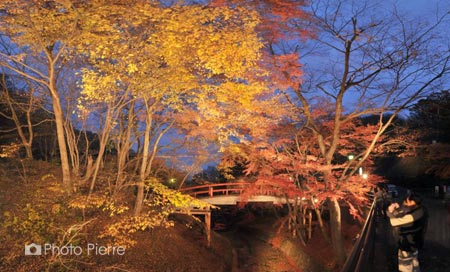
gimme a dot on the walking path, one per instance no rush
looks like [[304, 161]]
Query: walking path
[[434, 257]]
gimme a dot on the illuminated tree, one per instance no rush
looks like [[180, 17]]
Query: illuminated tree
[[381, 67], [168, 60], [361, 61], [27, 25], [46, 35]]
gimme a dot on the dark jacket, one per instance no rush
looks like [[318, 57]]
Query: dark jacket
[[410, 223]]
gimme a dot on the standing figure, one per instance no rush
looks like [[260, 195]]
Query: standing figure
[[381, 202], [409, 221]]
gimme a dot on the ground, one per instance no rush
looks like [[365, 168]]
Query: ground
[[34, 209]]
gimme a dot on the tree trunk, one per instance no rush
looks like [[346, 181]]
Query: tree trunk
[[59, 122], [102, 146], [29, 151], [124, 144], [142, 174], [26, 143], [336, 233], [72, 144], [321, 225], [65, 166]]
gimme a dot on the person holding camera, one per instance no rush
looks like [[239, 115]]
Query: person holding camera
[[409, 222]]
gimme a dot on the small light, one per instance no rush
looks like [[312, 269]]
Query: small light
[[365, 176], [351, 157]]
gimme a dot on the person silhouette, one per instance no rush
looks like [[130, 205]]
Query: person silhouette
[[409, 222]]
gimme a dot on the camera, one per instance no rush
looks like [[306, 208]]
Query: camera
[[33, 249]]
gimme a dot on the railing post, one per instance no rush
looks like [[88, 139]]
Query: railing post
[[211, 191]]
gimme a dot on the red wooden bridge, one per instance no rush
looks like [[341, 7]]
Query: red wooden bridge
[[230, 193]]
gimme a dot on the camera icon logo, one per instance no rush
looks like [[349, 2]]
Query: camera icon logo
[[33, 250]]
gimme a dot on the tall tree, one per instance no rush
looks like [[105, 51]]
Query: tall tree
[[361, 61], [28, 25], [375, 66], [426, 135], [431, 115], [168, 60], [44, 36]]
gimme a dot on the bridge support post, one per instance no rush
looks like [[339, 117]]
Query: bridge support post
[[309, 224], [208, 227]]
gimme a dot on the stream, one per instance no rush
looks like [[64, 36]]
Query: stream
[[252, 250]]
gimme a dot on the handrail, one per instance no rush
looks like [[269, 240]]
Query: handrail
[[228, 188], [362, 250], [272, 192]]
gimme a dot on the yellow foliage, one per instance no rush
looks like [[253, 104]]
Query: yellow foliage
[[161, 204], [122, 231], [98, 201], [82, 202], [30, 223], [10, 151], [56, 187], [164, 55], [114, 208], [199, 56], [32, 24], [47, 176], [173, 199]]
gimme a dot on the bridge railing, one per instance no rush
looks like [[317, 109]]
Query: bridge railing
[[229, 188], [362, 250]]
